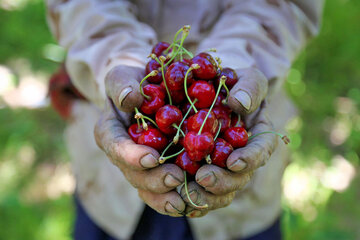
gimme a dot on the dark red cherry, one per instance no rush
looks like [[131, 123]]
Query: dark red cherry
[[203, 92], [184, 162], [187, 61], [196, 120], [219, 103], [235, 122], [175, 75], [150, 66], [236, 136], [135, 131], [185, 131], [156, 101], [221, 152], [153, 138], [166, 116], [231, 78], [208, 66], [223, 118], [185, 107], [198, 146], [159, 48], [177, 96]]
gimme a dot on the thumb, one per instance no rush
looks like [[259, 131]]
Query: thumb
[[248, 93], [122, 86]]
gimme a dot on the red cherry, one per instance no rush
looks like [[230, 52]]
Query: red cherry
[[159, 48], [184, 162], [196, 120], [218, 103], [236, 136], [150, 66], [153, 138], [177, 96], [222, 151], [185, 107], [135, 131], [185, 130], [234, 120], [175, 76], [156, 101], [207, 65], [166, 116], [204, 92], [187, 61], [223, 118], [231, 77], [198, 146]]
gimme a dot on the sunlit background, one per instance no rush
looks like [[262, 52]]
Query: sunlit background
[[321, 185]]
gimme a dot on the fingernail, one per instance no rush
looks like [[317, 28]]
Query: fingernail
[[124, 94], [194, 195], [148, 161], [171, 181], [238, 165], [195, 213], [169, 208], [208, 180], [243, 98]]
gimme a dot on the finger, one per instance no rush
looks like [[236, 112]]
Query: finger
[[248, 93], [220, 181], [111, 136], [161, 179], [195, 213], [122, 86], [201, 198], [167, 203], [258, 150]]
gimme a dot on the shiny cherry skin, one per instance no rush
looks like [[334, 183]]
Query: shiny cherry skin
[[150, 66], [221, 152], [185, 107], [236, 136], [184, 162], [166, 116], [156, 101], [153, 138], [135, 131], [196, 120], [223, 117], [177, 96], [208, 66], [219, 103], [234, 121], [198, 146], [175, 75], [159, 48], [185, 131], [204, 92], [231, 78]]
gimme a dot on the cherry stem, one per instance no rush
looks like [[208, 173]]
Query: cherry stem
[[218, 131], [185, 50], [222, 82], [176, 137], [138, 123], [194, 66], [284, 138], [151, 74], [188, 195], [173, 43], [163, 159], [150, 120], [227, 93], [181, 123], [141, 116], [185, 32], [208, 159], [163, 77], [239, 120]]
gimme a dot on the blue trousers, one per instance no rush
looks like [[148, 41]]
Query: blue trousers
[[154, 226]]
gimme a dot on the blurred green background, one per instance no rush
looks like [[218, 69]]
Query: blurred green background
[[321, 185]]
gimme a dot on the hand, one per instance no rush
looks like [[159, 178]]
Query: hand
[[138, 163], [216, 186]]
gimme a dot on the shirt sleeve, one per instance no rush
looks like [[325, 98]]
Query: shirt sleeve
[[98, 35], [267, 34]]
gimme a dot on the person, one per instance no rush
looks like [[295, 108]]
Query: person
[[108, 43]]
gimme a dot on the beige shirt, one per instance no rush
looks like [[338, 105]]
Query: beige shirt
[[100, 34]]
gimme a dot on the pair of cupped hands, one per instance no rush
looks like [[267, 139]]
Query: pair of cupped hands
[[157, 183]]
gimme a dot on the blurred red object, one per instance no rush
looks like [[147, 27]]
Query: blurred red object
[[63, 93]]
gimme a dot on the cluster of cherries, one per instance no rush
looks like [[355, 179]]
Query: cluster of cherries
[[184, 114]]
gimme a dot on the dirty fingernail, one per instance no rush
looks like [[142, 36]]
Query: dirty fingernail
[[194, 195], [124, 94], [243, 98], [148, 161], [207, 180], [169, 208], [238, 165], [171, 181], [195, 213]]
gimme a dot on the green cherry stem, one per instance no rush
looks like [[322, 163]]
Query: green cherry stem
[[188, 195], [162, 60], [185, 33], [176, 138], [193, 66], [150, 120], [151, 74], [139, 115], [138, 123], [218, 132], [239, 120], [284, 138], [185, 51], [163, 159], [222, 83]]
